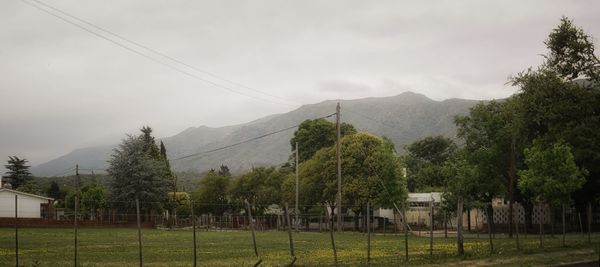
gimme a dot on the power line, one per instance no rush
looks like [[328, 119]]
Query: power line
[[245, 141], [157, 52], [133, 50]]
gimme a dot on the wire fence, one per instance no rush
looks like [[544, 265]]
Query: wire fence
[[268, 224]]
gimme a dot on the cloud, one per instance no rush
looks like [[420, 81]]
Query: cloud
[[63, 88]]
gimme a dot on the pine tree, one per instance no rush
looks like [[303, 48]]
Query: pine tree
[[18, 172]]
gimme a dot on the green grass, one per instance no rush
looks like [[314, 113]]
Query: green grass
[[118, 247]]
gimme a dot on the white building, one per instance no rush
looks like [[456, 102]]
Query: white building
[[28, 205]]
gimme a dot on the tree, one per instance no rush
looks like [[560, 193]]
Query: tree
[[425, 161], [136, 174], [551, 175], [54, 191], [370, 171], [560, 101], [212, 196], [313, 135], [18, 172], [261, 186], [487, 132], [571, 52], [93, 199]]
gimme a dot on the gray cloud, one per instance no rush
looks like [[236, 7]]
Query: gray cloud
[[63, 88]]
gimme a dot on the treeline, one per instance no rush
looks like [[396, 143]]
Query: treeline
[[539, 146]]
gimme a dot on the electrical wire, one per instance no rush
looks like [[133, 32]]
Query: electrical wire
[[245, 141], [130, 49]]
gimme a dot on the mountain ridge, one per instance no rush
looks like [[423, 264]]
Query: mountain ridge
[[403, 118]]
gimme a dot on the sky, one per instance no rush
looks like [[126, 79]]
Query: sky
[[80, 73]]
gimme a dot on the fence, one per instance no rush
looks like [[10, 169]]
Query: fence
[[366, 221]]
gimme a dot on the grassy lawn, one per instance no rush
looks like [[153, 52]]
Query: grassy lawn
[[118, 247]]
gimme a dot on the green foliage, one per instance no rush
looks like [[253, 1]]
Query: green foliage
[[313, 135], [137, 173], [552, 174], [487, 132], [182, 202], [425, 160], [261, 186], [54, 191], [18, 172], [370, 172], [93, 198], [212, 196], [571, 52]]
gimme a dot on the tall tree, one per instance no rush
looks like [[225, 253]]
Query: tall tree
[[212, 195], [18, 172], [313, 135], [560, 101], [136, 172], [487, 133], [425, 160], [370, 171], [261, 186], [571, 53]]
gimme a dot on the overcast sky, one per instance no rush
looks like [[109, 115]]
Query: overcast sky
[[62, 87]]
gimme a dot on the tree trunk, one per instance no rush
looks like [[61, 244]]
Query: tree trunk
[[563, 225], [459, 223]]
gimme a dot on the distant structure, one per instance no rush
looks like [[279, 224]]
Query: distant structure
[[29, 205]]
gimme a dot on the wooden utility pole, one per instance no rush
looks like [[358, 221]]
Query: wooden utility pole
[[75, 222], [339, 167], [297, 224]]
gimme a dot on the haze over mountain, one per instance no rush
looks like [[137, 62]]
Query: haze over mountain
[[403, 118]]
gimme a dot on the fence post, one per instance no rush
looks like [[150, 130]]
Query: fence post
[[405, 235], [368, 233], [253, 234], [517, 230], [193, 229], [330, 222], [289, 229], [431, 227], [16, 232], [459, 226], [139, 229]]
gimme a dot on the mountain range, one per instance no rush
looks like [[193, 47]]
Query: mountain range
[[403, 118]]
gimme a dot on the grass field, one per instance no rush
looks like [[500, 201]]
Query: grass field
[[118, 247]]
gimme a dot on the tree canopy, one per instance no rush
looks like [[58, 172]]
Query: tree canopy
[[313, 135], [18, 172]]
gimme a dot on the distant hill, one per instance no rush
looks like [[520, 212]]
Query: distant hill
[[403, 118]]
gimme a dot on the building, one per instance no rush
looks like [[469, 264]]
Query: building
[[28, 205]]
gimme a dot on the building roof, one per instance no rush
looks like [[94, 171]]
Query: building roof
[[23, 193]]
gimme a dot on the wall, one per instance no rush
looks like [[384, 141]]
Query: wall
[[29, 207]]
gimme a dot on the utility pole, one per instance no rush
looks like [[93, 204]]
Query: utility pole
[[339, 167], [297, 190], [76, 226]]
